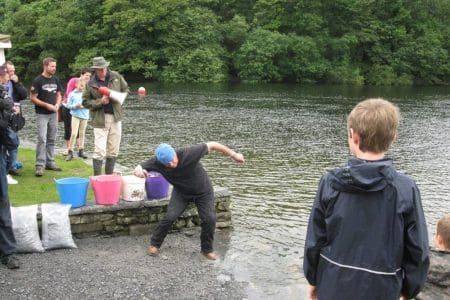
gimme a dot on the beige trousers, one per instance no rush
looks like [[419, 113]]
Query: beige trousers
[[107, 139], [77, 124]]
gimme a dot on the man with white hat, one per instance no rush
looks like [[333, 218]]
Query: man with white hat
[[106, 114]]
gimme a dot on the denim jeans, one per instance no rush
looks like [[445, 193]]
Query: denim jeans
[[47, 128], [11, 159], [177, 204], [7, 240]]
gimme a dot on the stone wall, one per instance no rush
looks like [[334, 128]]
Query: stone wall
[[140, 217]]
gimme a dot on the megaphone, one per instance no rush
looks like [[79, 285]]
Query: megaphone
[[117, 96]]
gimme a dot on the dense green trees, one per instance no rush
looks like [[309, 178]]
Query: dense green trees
[[379, 42]]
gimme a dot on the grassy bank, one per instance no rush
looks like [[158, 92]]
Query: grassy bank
[[34, 190]]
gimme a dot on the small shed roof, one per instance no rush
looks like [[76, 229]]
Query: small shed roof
[[5, 41]]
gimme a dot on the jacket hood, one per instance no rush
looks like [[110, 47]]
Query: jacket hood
[[363, 176]]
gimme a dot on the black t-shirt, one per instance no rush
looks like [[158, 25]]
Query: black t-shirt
[[189, 177], [46, 90]]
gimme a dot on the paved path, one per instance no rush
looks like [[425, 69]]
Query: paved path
[[118, 268]]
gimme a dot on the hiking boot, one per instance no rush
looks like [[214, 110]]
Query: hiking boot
[[53, 167], [81, 154], [11, 262], [14, 172], [211, 255], [69, 155], [152, 250], [39, 171]]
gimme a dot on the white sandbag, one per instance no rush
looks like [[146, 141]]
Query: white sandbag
[[56, 231], [25, 228]]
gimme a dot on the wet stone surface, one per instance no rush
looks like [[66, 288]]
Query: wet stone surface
[[119, 268]]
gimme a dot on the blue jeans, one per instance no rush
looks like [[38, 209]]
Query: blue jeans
[[47, 128], [7, 240], [178, 203], [11, 159]]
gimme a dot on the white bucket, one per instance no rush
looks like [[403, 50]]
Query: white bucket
[[133, 188]]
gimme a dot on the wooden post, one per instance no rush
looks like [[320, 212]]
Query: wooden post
[[5, 43]]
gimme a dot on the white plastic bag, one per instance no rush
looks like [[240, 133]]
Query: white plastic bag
[[56, 232], [25, 228]]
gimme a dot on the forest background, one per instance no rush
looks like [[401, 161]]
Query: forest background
[[391, 42]]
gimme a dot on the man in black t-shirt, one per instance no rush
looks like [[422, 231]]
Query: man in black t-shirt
[[46, 96], [191, 183]]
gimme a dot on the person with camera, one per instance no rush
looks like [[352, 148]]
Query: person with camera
[[7, 140], [17, 92]]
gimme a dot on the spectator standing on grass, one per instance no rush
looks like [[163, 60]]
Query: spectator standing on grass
[[46, 95], [17, 92], [85, 75], [80, 117], [106, 114]]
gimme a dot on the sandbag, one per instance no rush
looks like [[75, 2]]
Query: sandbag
[[56, 231], [25, 228]]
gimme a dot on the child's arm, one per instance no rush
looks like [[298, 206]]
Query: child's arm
[[312, 292], [415, 257], [316, 236], [214, 146]]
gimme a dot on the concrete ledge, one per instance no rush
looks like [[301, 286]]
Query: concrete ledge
[[141, 217]]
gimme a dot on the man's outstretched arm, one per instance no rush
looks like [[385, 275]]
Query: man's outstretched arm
[[214, 146]]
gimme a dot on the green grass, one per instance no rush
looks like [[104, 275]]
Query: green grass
[[35, 190]]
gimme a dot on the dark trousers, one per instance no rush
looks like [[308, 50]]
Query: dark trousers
[[177, 204], [67, 120], [7, 240]]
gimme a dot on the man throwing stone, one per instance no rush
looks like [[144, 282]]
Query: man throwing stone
[[191, 183]]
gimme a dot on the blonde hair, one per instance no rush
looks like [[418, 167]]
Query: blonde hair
[[81, 84], [443, 230], [376, 122]]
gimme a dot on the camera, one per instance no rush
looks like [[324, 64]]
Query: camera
[[3, 92]]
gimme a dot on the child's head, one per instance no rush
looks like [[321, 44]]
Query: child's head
[[442, 237], [81, 84], [375, 121]]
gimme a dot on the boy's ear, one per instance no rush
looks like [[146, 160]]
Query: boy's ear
[[353, 136], [439, 241]]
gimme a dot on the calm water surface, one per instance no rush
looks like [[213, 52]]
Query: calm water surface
[[290, 136]]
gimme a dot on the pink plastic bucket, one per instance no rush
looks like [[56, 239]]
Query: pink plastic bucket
[[156, 186], [106, 189]]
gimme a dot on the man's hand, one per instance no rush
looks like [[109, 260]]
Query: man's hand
[[238, 157], [105, 100], [139, 172], [51, 107], [14, 78]]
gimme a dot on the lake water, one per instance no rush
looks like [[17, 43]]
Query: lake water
[[290, 135]]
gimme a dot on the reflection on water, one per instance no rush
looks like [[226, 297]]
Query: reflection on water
[[290, 136]]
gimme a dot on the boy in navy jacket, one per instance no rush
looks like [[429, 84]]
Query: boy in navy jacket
[[367, 236]]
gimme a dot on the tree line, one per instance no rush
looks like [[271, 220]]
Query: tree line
[[374, 42]]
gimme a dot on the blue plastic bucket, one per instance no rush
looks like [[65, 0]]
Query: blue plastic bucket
[[73, 190]]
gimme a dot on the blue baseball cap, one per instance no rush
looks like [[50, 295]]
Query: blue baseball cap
[[164, 153]]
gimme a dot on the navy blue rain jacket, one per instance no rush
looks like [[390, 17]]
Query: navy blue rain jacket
[[367, 236]]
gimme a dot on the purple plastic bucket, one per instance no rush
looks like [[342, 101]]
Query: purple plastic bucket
[[156, 186]]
